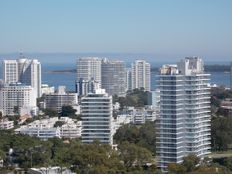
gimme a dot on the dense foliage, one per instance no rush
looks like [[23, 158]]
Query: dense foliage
[[81, 158], [68, 111], [221, 124], [221, 128], [192, 165], [143, 136], [217, 96], [137, 98], [136, 146]]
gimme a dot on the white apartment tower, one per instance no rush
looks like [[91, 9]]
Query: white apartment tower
[[128, 79], [89, 68], [141, 72], [114, 77], [14, 96], [10, 71], [25, 71], [97, 116], [183, 126]]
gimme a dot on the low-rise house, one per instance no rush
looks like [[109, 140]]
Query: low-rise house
[[46, 128], [5, 124]]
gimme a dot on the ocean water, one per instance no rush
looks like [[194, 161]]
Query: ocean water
[[68, 79], [66, 61]]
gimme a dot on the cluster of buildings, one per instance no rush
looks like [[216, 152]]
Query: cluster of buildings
[[98, 79], [180, 104], [111, 75], [46, 128], [20, 87]]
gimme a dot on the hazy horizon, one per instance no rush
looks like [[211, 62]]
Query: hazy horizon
[[159, 30], [57, 58]]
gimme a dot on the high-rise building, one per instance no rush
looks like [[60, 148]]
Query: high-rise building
[[88, 68], [128, 79], [84, 87], [60, 98], [141, 72], [114, 77], [15, 96], [97, 116], [29, 71], [25, 71], [183, 126], [10, 71]]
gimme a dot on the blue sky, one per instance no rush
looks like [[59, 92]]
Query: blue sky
[[163, 28]]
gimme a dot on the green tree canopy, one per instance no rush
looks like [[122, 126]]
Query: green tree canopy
[[68, 111]]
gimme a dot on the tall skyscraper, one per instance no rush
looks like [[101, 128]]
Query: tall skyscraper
[[128, 79], [88, 68], [97, 115], [141, 72], [29, 72], [114, 77], [184, 124], [25, 71], [10, 71]]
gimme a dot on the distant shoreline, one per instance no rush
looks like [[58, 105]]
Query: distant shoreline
[[65, 71], [208, 68]]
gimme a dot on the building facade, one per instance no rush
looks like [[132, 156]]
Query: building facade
[[60, 98], [10, 71], [89, 68], [183, 126], [114, 77], [25, 71], [84, 87], [141, 72], [128, 79], [97, 117], [6, 124], [45, 128], [15, 96]]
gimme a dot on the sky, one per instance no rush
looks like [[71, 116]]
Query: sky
[[157, 28]]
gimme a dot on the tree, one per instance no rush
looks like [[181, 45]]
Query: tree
[[190, 162], [68, 111], [143, 136], [59, 123], [221, 130], [174, 168], [137, 97], [228, 163], [134, 156], [50, 112], [1, 115]]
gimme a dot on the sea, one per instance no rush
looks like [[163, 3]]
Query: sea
[[68, 79], [66, 61]]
